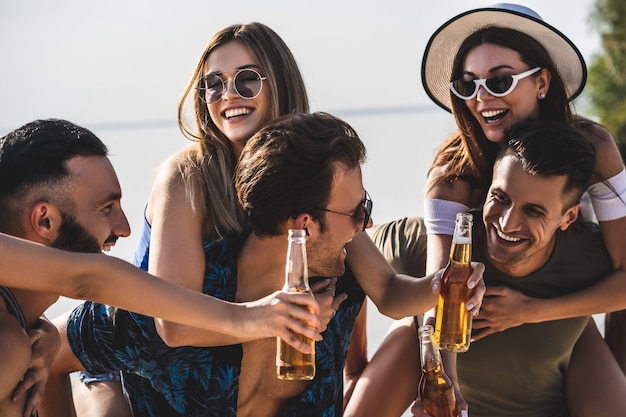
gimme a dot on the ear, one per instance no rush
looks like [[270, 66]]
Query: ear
[[45, 221], [543, 80], [306, 222], [569, 217]]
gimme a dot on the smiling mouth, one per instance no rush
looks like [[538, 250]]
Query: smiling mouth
[[507, 237], [493, 116], [240, 111], [107, 246], [109, 243]]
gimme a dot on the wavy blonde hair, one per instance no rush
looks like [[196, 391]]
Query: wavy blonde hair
[[207, 167]]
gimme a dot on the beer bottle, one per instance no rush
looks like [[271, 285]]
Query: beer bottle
[[435, 388], [453, 326], [291, 364]]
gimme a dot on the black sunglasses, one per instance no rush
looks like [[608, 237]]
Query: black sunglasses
[[362, 215], [247, 83]]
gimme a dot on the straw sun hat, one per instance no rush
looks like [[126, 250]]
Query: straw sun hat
[[444, 44]]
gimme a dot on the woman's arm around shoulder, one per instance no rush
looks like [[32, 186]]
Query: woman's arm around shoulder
[[176, 252], [608, 159], [609, 201]]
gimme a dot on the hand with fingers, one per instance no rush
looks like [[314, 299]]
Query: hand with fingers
[[502, 308], [45, 344], [461, 407], [475, 283], [328, 300], [282, 314]]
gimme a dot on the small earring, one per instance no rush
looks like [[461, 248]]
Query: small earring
[[542, 96]]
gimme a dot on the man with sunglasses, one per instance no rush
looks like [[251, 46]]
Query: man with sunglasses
[[301, 171]]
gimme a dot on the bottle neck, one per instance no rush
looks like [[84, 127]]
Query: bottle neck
[[461, 253], [296, 270], [433, 370], [430, 357], [461, 249]]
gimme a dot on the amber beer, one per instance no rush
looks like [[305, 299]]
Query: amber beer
[[435, 388], [453, 327], [294, 365], [291, 364]]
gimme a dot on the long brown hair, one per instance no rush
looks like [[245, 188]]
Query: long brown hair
[[468, 153], [207, 168]]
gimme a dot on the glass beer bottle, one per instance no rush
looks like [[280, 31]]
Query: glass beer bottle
[[453, 326], [435, 388], [291, 364]]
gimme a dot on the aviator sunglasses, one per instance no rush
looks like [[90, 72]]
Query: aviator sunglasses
[[499, 86], [247, 83], [363, 214]]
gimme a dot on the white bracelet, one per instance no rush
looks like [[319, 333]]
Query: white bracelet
[[609, 197], [440, 215]]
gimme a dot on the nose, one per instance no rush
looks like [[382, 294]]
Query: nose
[[229, 88], [510, 220], [120, 226], [483, 94]]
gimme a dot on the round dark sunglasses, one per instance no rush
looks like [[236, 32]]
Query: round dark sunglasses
[[362, 214], [499, 86], [247, 83]]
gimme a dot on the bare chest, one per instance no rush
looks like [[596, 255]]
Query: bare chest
[[261, 393]]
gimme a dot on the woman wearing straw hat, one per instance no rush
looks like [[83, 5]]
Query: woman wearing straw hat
[[492, 67]]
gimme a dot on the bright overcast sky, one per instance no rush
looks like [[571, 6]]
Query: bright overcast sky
[[127, 61]]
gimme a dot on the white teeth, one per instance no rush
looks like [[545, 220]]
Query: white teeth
[[236, 112], [507, 238], [492, 113]]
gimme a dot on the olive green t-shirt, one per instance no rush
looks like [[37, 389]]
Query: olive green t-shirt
[[403, 243], [519, 372]]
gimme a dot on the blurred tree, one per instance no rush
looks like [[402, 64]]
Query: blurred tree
[[607, 71], [607, 98]]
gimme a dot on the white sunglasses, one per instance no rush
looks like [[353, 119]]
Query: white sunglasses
[[499, 86]]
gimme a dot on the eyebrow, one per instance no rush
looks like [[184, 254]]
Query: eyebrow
[[360, 206], [541, 207], [253, 66], [491, 71], [114, 196], [500, 191]]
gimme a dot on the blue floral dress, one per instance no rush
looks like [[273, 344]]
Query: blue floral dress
[[191, 381]]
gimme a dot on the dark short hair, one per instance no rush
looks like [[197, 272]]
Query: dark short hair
[[35, 155], [288, 168], [552, 148]]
